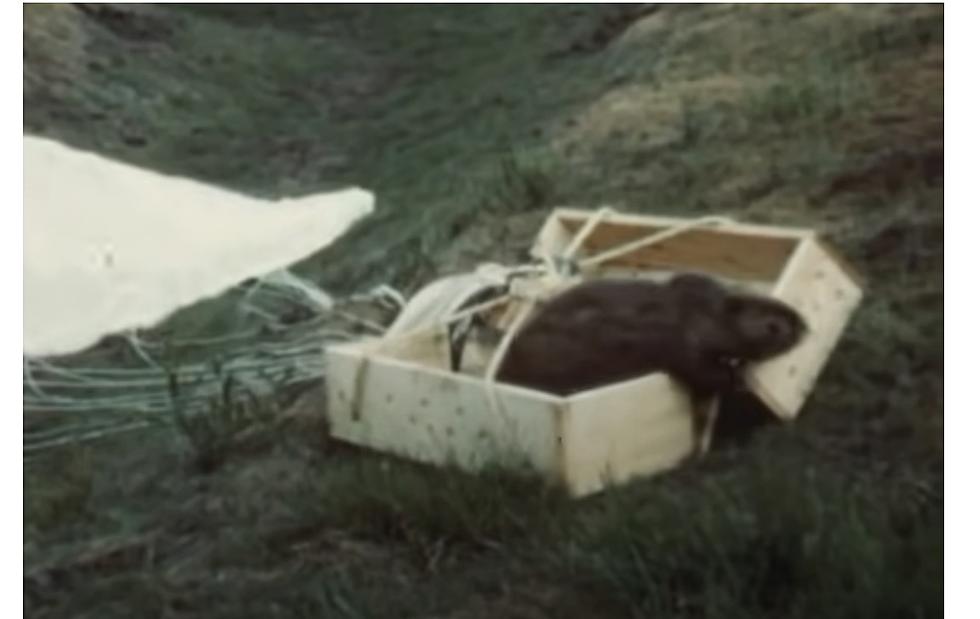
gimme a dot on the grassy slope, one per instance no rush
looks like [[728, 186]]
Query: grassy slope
[[469, 123]]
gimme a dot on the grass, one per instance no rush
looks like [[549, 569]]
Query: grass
[[470, 123], [231, 414], [772, 538]]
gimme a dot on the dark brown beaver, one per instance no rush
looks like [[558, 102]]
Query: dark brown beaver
[[609, 330]]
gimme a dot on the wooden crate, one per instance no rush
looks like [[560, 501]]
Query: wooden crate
[[399, 395], [790, 264]]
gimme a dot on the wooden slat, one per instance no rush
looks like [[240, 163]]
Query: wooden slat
[[565, 214], [601, 437], [430, 415], [816, 285], [721, 252], [619, 432]]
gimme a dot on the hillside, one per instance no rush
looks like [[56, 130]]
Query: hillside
[[470, 123]]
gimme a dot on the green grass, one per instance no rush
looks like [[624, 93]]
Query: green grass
[[470, 123], [781, 536]]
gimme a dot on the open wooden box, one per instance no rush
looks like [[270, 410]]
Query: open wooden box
[[399, 395]]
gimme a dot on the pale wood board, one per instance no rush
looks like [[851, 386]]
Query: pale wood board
[[619, 432], [711, 251], [819, 288], [586, 443], [553, 237], [740, 251], [431, 415], [563, 214]]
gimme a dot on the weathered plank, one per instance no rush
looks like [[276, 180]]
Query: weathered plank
[[824, 293], [619, 432], [426, 413]]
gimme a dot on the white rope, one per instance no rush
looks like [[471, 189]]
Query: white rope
[[251, 307], [262, 362], [196, 370], [460, 315], [159, 402], [205, 341], [490, 378], [29, 379], [66, 430], [384, 291], [594, 220], [134, 343], [657, 237], [96, 434], [310, 292], [363, 322], [161, 378]]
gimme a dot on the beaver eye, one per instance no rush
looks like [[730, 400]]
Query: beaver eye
[[774, 328]]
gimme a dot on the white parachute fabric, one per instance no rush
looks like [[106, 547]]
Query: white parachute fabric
[[444, 297], [110, 247]]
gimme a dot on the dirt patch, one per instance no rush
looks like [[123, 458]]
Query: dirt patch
[[610, 27], [648, 116], [899, 143], [888, 173], [135, 23], [55, 39], [58, 38], [634, 111], [643, 29]]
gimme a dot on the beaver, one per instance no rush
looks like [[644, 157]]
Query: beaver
[[609, 330]]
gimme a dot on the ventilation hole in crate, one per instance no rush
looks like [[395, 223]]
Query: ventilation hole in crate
[[412, 419], [341, 395], [839, 293], [818, 274], [483, 434], [450, 431], [459, 411], [389, 398], [424, 402], [792, 370]]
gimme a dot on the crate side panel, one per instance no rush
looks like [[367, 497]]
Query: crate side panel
[[571, 218], [823, 292], [429, 347], [436, 417], [718, 252], [552, 238], [740, 251], [623, 431]]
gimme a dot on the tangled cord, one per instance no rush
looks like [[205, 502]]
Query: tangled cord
[[108, 400]]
